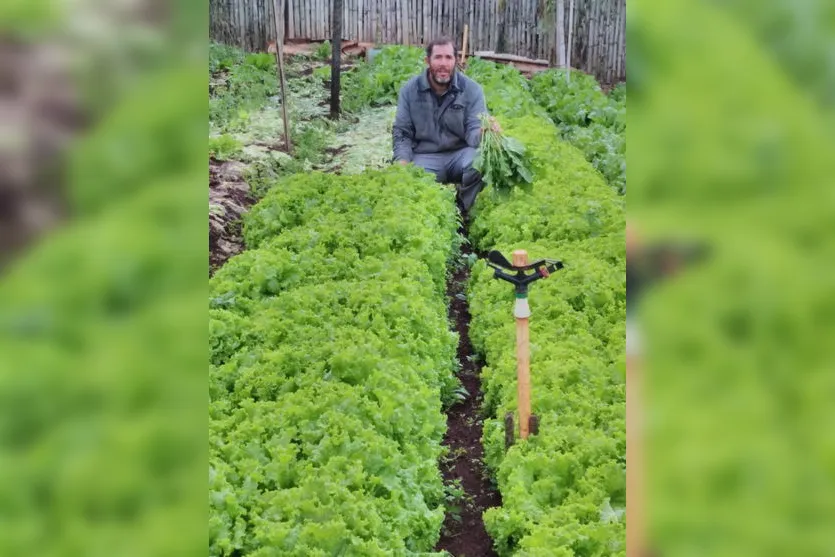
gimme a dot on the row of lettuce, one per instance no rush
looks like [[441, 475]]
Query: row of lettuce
[[331, 354], [331, 358], [587, 118], [563, 490]]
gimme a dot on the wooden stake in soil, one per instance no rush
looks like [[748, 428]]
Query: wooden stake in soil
[[523, 355], [279, 57]]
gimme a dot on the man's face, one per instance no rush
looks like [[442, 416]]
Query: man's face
[[442, 63]]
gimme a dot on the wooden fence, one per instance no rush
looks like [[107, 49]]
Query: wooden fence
[[525, 27]]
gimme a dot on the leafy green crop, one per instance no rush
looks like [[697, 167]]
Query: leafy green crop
[[331, 355], [323, 51], [587, 118], [506, 89], [223, 57], [261, 60], [250, 81], [501, 159], [563, 491], [378, 82], [224, 147]]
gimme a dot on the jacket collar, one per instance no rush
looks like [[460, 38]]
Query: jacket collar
[[454, 85]]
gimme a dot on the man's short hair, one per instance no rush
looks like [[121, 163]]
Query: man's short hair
[[439, 42]]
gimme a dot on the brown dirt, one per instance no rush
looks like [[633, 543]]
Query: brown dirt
[[273, 146], [466, 536], [230, 196]]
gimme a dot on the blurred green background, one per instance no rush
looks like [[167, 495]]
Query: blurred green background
[[102, 313], [102, 291], [731, 142]]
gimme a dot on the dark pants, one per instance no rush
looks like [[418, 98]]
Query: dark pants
[[454, 167]]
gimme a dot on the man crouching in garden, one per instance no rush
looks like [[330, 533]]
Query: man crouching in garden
[[437, 126]]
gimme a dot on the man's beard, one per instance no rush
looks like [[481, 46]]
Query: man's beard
[[441, 80]]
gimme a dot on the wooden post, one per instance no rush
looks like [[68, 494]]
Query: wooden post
[[279, 56], [336, 58], [523, 355], [464, 46]]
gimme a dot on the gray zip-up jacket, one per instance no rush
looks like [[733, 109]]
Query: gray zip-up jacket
[[423, 126]]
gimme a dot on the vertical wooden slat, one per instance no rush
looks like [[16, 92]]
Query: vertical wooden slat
[[609, 42], [445, 5], [489, 8], [309, 15], [613, 30], [601, 40], [604, 51], [291, 8], [403, 21], [408, 20], [424, 21], [266, 32], [384, 16], [607, 18], [598, 26], [416, 22], [622, 42], [398, 20], [374, 23], [290, 15], [514, 43], [485, 32], [616, 43], [590, 55], [362, 21], [476, 32], [390, 22], [469, 21], [433, 17]]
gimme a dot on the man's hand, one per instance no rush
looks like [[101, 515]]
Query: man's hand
[[490, 123], [403, 162]]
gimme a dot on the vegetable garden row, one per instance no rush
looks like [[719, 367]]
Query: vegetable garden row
[[332, 358], [563, 491]]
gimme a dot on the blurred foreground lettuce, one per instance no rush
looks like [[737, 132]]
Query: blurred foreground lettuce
[[726, 146], [102, 319]]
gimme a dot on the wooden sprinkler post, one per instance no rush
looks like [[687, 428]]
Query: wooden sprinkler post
[[528, 423], [522, 311]]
